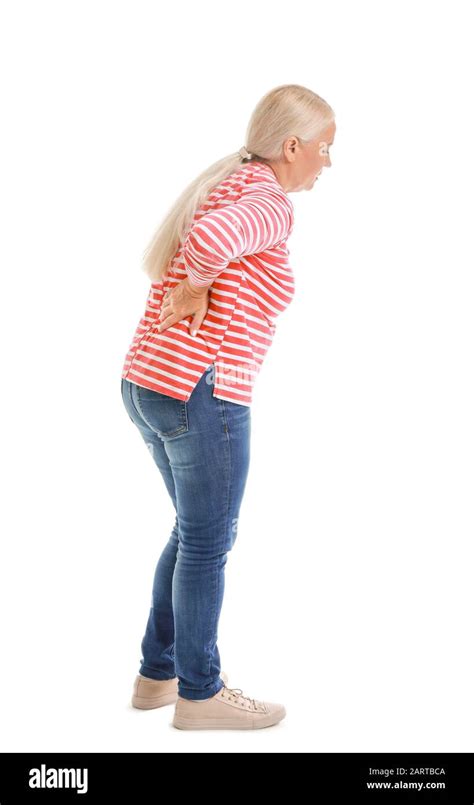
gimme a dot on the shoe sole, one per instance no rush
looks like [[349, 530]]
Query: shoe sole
[[145, 703], [182, 723]]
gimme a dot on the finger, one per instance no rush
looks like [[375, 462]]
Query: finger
[[195, 324], [165, 310], [168, 322]]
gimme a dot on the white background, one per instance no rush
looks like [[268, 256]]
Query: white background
[[349, 593]]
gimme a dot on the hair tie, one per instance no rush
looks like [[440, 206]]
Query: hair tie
[[244, 153]]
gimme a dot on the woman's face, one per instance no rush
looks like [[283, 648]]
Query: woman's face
[[314, 156], [303, 162]]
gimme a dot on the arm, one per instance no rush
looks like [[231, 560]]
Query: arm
[[256, 222]]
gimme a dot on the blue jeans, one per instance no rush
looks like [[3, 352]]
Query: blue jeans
[[202, 449]]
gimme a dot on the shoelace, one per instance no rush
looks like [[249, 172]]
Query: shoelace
[[237, 693]]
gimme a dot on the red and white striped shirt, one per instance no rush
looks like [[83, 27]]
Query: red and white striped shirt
[[238, 241]]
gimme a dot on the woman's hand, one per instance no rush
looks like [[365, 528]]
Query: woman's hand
[[184, 300]]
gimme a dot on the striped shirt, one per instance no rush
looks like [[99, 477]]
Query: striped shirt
[[237, 240]]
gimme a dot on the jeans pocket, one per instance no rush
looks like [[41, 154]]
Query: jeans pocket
[[166, 416]]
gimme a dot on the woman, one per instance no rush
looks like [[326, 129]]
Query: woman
[[220, 276]]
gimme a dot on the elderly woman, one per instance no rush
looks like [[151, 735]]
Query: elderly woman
[[220, 276]]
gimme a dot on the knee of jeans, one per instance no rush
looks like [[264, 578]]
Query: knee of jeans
[[194, 548], [231, 535], [233, 532]]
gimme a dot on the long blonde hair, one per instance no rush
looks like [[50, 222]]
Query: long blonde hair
[[286, 110]]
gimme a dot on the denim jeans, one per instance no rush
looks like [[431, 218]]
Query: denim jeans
[[202, 449]]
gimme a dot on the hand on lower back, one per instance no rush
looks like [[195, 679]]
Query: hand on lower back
[[182, 301]]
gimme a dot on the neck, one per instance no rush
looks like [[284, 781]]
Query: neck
[[280, 174]]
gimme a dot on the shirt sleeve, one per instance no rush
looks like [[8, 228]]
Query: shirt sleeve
[[256, 222]]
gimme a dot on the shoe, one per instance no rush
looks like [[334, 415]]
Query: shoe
[[151, 693], [229, 709]]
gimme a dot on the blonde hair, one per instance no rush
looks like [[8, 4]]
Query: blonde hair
[[286, 110]]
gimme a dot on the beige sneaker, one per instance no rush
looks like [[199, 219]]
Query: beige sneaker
[[151, 693], [229, 709]]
